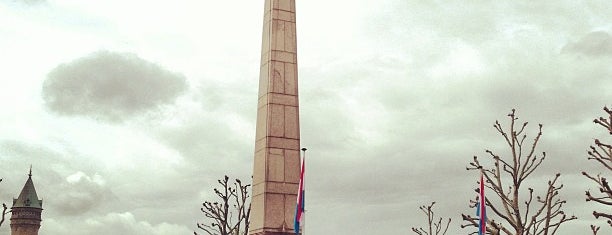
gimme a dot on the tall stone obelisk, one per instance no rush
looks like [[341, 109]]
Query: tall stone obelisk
[[277, 143]]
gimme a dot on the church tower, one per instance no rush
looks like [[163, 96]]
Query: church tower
[[26, 210], [276, 170]]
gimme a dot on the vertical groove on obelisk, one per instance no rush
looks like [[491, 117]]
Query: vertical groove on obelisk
[[277, 162]]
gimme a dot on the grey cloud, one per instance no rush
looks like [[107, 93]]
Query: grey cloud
[[598, 43], [110, 86], [81, 193], [200, 143], [227, 110], [70, 189], [63, 191]]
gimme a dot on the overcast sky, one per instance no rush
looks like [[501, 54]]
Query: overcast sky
[[130, 110]]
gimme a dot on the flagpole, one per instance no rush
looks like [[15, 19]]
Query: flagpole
[[482, 225], [304, 185]]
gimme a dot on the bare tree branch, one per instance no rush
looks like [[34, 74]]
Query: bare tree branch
[[601, 153], [434, 226], [4, 208], [223, 219], [537, 215], [594, 229]]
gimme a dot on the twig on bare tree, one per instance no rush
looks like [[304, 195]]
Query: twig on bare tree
[[594, 229], [601, 153], [434, 226]]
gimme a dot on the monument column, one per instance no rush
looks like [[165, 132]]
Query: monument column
[[277, 143]]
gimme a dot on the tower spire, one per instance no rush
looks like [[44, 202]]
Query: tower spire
[[26, 210]]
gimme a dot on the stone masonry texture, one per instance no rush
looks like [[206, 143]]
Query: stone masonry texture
[[277, 146]]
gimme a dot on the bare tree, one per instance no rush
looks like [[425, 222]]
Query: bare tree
[[434, 226], [601, 153], [224, 220], [519, 213], [4, 208]]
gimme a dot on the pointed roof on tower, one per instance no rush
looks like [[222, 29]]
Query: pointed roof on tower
[[28, 196]]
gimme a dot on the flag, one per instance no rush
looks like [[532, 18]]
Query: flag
[[299, 209], [481, 208]]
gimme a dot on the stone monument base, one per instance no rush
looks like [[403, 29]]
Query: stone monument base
[[274, 233]]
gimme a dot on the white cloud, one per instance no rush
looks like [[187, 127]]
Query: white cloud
[[461, 61], [80, 176], [81, 193], [111, 223]]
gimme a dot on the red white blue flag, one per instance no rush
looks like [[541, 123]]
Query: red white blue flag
[[481, 208], [299, 209]]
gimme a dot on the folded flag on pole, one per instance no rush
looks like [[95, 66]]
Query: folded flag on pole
[[481, 208], [299, 210]]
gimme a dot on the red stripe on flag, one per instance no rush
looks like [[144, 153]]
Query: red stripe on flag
[[482, 225], [300, 196]]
